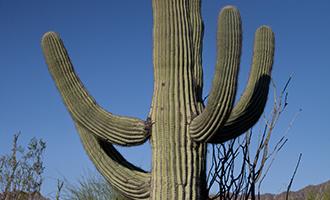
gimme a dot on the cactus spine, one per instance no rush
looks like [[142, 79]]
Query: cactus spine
[[179, 126]]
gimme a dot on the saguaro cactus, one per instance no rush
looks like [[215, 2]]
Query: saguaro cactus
[[179, 126]]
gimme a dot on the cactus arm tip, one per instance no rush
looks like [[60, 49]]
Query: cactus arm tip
[[224, 83], [251, 104], [82, 107]]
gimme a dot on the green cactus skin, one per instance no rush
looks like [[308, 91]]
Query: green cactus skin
[[179, 126]]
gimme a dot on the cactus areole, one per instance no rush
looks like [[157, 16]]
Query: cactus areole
[[179, 125]]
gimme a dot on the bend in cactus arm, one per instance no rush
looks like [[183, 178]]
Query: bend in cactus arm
[[223, 90], [128, 179], [82, 107], [251, 104]]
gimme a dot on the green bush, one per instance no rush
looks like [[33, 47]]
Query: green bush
[[90, 187]]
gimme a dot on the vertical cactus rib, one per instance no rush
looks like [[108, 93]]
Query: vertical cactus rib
[[197, 31], [251, 104], [223, 90], [82, 107], [128, 179]]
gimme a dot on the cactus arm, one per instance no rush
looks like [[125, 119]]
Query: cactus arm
[[251, 104], [128, 179], [223, 89], [82, 107]]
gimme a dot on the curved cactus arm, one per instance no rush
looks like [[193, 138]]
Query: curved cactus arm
[[128, 179], [251, 104], [82, 107], [224, 83]]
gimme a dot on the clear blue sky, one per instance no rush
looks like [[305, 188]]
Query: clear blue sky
[[110, 43]]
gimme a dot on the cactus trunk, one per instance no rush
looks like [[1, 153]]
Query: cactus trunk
[[179, 126], [178, 163]]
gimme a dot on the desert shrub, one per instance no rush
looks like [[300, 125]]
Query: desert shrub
[[21, 170], [90, 187], [239, 166]]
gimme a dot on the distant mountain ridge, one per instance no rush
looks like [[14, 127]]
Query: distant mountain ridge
[[311, 192]]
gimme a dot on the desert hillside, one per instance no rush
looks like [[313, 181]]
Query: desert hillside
[[311, 192]]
